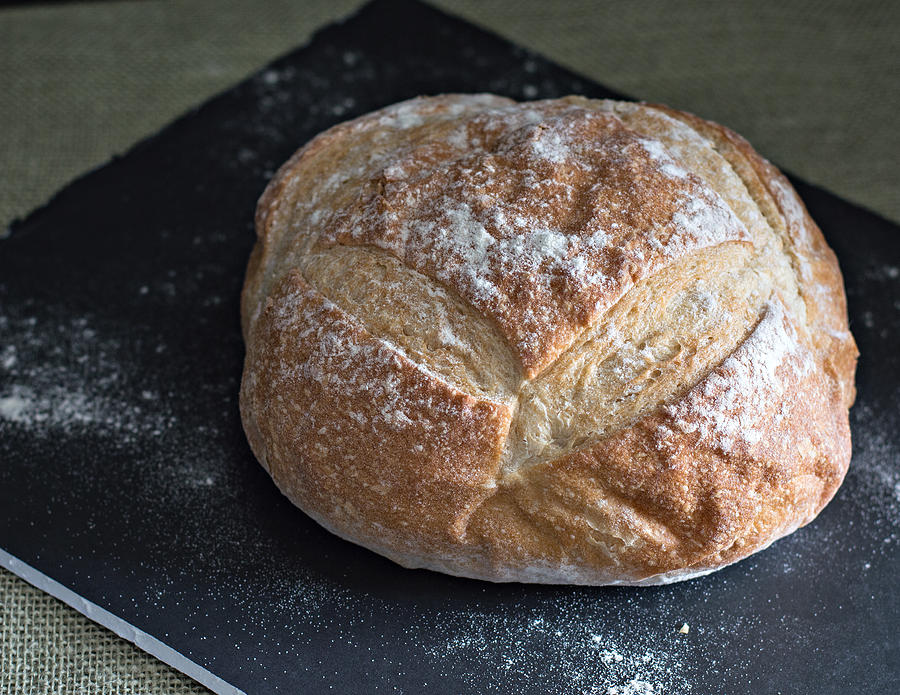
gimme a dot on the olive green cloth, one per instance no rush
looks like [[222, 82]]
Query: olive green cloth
[[814, 85]]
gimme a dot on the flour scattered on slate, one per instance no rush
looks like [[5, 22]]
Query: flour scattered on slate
[[875, 468], [560, 643], [587, 658], [65, 377]]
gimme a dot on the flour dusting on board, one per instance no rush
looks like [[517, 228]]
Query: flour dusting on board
[[561, 642], [590, 660], [66, 377], [876, 469], [69, 379]]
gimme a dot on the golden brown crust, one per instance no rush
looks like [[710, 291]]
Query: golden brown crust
[[552, 222], [332, 387], [816, 264]]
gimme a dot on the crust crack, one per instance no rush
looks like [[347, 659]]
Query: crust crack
[[656, 343]]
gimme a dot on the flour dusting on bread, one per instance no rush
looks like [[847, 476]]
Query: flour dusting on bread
[[541, 225], [568, 340], [746, 391]]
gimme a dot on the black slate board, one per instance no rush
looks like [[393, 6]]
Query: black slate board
[[125, 475]]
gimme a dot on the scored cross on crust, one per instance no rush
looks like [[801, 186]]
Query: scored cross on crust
[[560, 341]]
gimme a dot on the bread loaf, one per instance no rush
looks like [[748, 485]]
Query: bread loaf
[[564, 341]]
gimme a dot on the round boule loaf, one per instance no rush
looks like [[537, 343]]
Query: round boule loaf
[[563, 341]]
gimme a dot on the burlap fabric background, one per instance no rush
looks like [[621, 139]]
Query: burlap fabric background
[[814, 85]]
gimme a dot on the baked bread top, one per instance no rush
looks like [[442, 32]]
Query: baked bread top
[[561, 341]]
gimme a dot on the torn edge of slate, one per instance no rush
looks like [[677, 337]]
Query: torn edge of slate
[[122, 628]]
